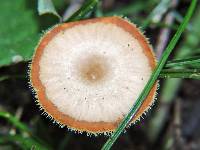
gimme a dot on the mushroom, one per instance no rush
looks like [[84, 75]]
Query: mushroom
[[88, 74]]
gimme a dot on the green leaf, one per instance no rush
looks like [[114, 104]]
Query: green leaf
[[18, 32], [151, 81], [87, 7], [47, 7]]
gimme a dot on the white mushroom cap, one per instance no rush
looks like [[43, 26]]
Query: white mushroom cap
[[91, 72]]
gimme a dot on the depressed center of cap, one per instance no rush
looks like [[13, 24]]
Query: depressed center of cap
[[93, 69]]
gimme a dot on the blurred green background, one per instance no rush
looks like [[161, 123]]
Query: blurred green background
[[173, 123]]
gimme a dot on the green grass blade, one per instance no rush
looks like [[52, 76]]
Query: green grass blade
[[7, 77], [47, 7], [22, 127], [184, 62], [152, 80], [24, 143], [2, 78], [15, 121], [161, 8], [132, 9], [181, 73], [98, 11], [87, 7]]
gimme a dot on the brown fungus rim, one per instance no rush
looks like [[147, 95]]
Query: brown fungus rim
[[52, 110]]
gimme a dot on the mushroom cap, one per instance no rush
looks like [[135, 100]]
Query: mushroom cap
[[88, 74]]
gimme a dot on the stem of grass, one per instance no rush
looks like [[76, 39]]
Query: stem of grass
[[180, 73], [23, 128]]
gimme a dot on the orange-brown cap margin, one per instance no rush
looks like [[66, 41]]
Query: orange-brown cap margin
[[51, 109]]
